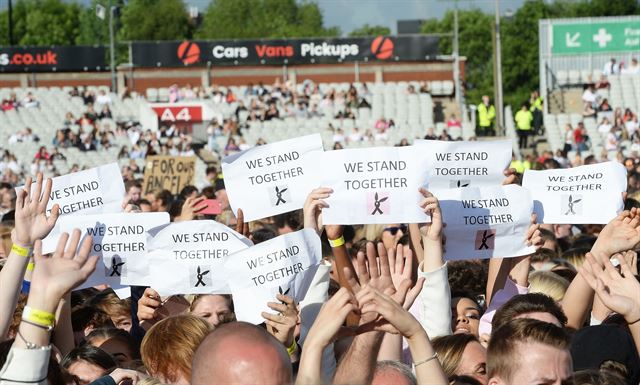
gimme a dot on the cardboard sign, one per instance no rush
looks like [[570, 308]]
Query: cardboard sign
[[485, 222], [272, 179], [93, 191], [466, 164], [171, 173], [285, 264], [374, 185], [580, 195], [120, 240], [188, 257]]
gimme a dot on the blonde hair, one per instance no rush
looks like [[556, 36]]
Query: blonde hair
[[168, 347], [150, 381], [549, 283], [370, 232], [450, 350]]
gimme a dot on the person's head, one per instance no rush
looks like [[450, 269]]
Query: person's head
[[485, 99], [391, 234], [162, 201], [134, 190], [86, 318], [117, 342], [241, 353], [145, 206], [87, 363], [169, 346], [533, 305], [215, 309], [119, 310], [393, 372], [462, 355], [549, 283], [528, 352], [598, 377], [465, 314]]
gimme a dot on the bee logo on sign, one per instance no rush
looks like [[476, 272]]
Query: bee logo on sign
[[378, 204], [572, 204], [117, 268], [485, 239], [279, 195], [459, 183], [200, 277]]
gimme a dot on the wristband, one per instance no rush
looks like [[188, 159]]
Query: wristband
[[39, 317], [21, 251], [336, 242], [292, 349], [433, 357], [31, 266]]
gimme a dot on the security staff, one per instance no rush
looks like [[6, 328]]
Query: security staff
[[486, 117], [523, 119], [536, 109]]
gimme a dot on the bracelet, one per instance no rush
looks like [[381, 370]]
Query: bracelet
[[30, 345], [31, 266], [292, 349], [40, 317], [337, 242], [47, 328], [433, 357], [21, 251]]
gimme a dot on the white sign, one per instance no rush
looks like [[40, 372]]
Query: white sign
[[466, 164], [485, 222], [374, 185], [120, 240], [284, 264], [188, 258], [93, 191], [581, 195], [272, 179]]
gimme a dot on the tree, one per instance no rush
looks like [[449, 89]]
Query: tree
[[370, 30], [245, 19], [154, 20], [93, 30], [43, 22]]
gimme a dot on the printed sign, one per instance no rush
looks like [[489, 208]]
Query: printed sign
[[485, 222], [579, 195], [272, 179], [466, 164], [171, 173], [374, 185], [285, 264], [188, 258], [93, 191], [119, 240]]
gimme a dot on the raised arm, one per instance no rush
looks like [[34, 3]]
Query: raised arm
[[31, 224]]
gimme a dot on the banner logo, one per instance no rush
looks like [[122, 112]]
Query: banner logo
[[382, 47], [188, 52]]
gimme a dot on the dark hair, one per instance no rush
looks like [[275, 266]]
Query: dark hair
[[292, 219], [90, 354], [84, 316], [165, 196], [263, 234], [527, 303], [544, 255], [132, 183], [210, 169], [187, 190], [144, 202], [468, 276], [598, 377], [109, 333]]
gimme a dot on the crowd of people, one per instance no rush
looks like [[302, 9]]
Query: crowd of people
[[385, 308]]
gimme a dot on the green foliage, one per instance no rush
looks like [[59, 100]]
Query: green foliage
[[370, 30], [43, 22], [154, 20], [237, 19]]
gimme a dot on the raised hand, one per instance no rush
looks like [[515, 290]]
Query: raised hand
[[54, 276], [32, 222], [430, 205], [148, 304], [511, 177], [283, 325], [372, 271], [533, 237], [313, 208], [191, 207], [619, 292], [621, 234], [330, 319], [241, 226], [401, 268], [126, 376]]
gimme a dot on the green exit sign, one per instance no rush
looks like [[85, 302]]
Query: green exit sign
[[623, 36]]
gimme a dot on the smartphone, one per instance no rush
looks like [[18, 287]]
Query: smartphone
[[214, 207], [176, 304]]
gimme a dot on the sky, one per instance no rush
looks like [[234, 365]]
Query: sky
[[351, 14]]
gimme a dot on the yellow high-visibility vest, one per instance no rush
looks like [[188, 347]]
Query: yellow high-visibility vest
[[523, 119], [485, 115]]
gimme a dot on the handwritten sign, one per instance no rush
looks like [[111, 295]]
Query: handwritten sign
[[466, 164], [93, 191], [284, 264], [119, 240], [483, 222], [272, 179], [171, 173], [188, 257], [580, 195], [374, 185]]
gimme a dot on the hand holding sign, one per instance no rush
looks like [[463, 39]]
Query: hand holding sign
[[283, 325], [431, 231], [313, 208], [66, 269], [190, 208], [31, 206]]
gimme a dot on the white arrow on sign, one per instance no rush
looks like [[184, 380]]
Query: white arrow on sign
[[572, 40]]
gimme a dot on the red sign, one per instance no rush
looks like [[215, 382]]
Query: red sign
[[179, 114]]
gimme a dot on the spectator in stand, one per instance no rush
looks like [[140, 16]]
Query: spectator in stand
[[88, 97], [631, 126], [445, 136], [431, 134], [612, 140], [105, 113], [30, 101], [272, 112], [355, 136], [69, 119], [103, 99], [453, 122], [88, 144], [42, 154], [338, 136], [569, 138], [605, 106], [590, 98], [403, 143], [611, 68], [424, 87], [603, 83], [231, 147], [605, 126], [633, 69], [57, 155], [174, 93], [523, 119], [580, 137]]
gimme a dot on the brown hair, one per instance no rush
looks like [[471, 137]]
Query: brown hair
[[168, 347], [527, 303], [108, 302], [505, 341], [450, 350]]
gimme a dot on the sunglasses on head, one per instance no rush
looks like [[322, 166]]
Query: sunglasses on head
[[394, 229]]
